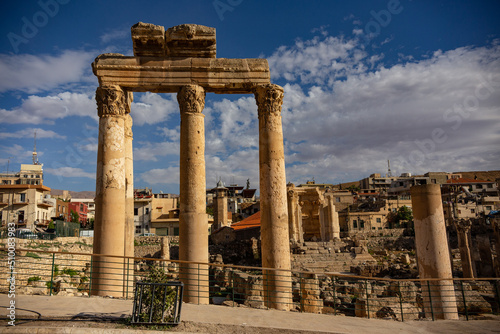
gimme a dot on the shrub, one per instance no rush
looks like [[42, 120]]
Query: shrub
[[69, 271], [34, 279]]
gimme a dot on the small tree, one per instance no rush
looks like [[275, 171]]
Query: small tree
[[75, 218]]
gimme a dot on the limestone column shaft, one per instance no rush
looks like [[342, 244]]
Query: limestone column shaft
[[193, 224], [432, 251], [335, 219], [112, 104], [273, 198], [463, 232], [129, 206]]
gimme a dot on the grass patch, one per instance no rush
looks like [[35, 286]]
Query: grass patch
[[33, 255]]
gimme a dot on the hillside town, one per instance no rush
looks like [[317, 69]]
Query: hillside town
[[375, 203]]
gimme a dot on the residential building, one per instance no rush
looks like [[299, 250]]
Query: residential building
[[62, 210], [377, 182], [142, 210], [81, 209], [90, 206], [26, 205], [164, 214], [29, 174]]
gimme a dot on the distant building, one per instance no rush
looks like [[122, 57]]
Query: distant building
[[26, 205], [142, 210], [164, 214], [90, 206], [81, 209]]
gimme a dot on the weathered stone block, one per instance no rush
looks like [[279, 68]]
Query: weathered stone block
[[148, 40]]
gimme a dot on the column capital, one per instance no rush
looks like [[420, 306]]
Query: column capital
[[269, 98], [191, 99], [113, 101]]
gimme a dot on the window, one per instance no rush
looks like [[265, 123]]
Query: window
[[147, 210], [488, 207], [459, 211], [22, 197], [137, 229], [472, 211], [337, 199], [362, 224], [479, 186], [136, 211], [490, 185], [379, 220], [354, 224], [433, 181]]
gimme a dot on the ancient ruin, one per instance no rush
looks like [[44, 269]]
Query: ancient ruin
[[182, 60], [432, 251]]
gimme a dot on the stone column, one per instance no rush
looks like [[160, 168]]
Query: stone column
[[496, 231], [129, 206], [463, 232], [109, 227], [193, 223], [273, 205], [484, 249], [335, 220], [432, 252]]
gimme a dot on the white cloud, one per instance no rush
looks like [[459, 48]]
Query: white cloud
[[69, 172], [317, 60], [153, 108], [436, 114], [116, 34], [148, 151], [168, 175], [37, 109], [33, 74], [29, 133]]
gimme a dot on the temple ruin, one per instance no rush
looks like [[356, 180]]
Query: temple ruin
[[182, 60]]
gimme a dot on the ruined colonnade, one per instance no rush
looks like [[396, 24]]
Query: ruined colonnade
[[182, 60]]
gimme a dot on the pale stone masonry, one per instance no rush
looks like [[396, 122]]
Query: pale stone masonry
[[432, 252], [182, 60]]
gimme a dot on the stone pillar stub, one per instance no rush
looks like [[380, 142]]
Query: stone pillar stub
[[112, 105], [432, 251], [463, 227], [193, 228], [273, 196]]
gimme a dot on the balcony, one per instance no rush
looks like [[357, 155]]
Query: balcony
[[44, 204]]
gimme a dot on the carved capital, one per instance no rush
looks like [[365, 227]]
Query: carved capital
[[269, 98], [191, 99], [113, 101]]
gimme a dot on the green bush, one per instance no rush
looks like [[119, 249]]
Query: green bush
[[160, 315], [34, 279], [69, 271]]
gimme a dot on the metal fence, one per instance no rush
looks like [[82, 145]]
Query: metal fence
[[64, 273]]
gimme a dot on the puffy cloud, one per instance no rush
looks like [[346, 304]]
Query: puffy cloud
[[156, 176], [33, 74], [37, 109], [27, 133], [150, 151], [69, 172], [153, 108]]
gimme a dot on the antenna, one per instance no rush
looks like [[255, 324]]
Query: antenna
[[389, 173], [35, 155], [8, 164]]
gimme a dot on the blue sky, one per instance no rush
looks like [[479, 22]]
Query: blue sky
[[416, 82]]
